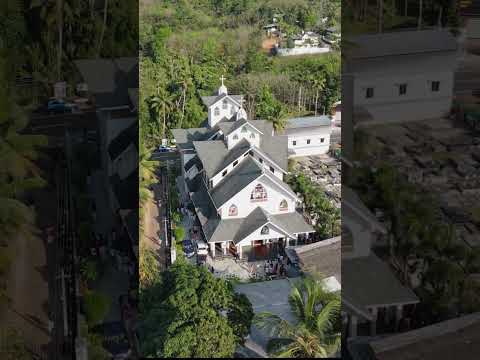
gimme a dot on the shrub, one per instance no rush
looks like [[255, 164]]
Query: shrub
[[97, 306], [179, 234], [88, 269], [4, 261]]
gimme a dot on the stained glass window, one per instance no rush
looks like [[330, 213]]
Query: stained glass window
[[259, 193]]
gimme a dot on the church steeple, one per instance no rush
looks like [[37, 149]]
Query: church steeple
[[241, 113], [222, 89]]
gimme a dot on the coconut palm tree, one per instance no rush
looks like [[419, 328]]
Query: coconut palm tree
[[317, 333], [160, 104]]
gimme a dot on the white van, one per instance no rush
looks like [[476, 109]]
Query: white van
[[202, 247]]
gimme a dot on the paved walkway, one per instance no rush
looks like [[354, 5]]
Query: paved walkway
[[228, 267]]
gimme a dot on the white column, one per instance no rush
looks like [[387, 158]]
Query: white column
[[239, 251], [225, 247], [212, 249], [398, 316], [373, 323], [353, 326]]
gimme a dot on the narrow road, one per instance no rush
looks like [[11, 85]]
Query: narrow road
[[154, 223], [28, 276]]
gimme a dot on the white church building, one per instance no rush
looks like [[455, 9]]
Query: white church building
[[234, 171]]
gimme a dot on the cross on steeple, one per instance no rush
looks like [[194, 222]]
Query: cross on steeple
[[222, 78]]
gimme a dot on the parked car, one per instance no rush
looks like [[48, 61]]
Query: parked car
[[163, 148], [57, 106], [202, 248], [188, 248]]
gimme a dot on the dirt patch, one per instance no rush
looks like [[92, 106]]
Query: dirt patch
[[269, 43]]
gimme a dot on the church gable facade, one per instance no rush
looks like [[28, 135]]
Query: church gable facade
[[235, 180], [259, 193]]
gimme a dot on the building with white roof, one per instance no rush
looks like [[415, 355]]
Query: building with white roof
[[308, 135], [234, 172]]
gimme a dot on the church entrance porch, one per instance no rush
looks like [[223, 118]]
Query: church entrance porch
[[262, 250]]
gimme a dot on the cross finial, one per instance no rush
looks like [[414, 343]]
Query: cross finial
[[222, 78]]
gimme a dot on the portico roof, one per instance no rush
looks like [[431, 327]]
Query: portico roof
[[216, 229], [371, 283]]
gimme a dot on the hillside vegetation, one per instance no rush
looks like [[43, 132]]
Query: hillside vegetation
[[186, 46]]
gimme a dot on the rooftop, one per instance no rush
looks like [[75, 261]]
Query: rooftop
[[185, 137], [246, 172], [371, 283], [109, 80], [322, 257], [400, 43], [452, 339], [309, 121], [210, 100]]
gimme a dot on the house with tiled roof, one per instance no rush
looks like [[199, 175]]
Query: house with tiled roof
[[234, 173]]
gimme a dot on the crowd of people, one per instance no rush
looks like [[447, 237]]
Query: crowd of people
[[276, 266]]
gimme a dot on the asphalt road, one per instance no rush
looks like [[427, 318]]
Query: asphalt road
[[54, 125], [164, 156]]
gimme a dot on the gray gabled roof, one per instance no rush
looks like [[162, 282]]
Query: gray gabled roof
[[266, 127], [293, 222], [217, 229], [256, 219], [273, 180], [210, 100], [185, 137], [204, 208], [246, 172], [234, 153], [372, 283], [211, 154], [309, 121], [215, 156], [400, 43], [226, 126], [232, 126], [276, 148]]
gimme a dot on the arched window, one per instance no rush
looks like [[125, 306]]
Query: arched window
[[265, 230], [252, 135], [216, 111], [259, 193], [235, 137], [232, 210], [283, 205], [224, 104], [244, 129]]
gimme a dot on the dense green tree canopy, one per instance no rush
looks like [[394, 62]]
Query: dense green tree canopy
[[190, 313], [186, 46]]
